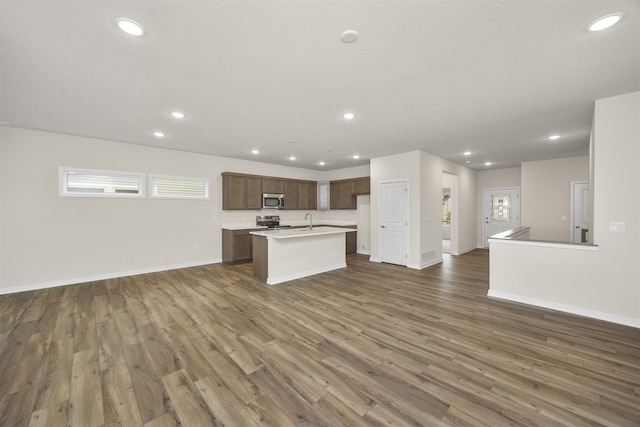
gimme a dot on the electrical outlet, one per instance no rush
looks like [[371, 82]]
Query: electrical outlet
[[617, 227]]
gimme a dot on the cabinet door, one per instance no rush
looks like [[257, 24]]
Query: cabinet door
[[272, 186], [253, 193], [237, 246], [291, 195], [342, 196], [242, 247], [233, 192], [361, 186], [308, 195]]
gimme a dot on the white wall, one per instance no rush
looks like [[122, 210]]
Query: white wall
[[545, 196], [48, 240], [399, 167], [465, 200], [424, 173], [493, 178], [604, 283], [364, 224]]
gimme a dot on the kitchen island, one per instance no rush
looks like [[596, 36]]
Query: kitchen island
[[288, 254]]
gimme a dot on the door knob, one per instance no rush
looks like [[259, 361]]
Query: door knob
[[382, 226]]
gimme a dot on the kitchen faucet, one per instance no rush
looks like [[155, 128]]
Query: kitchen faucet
[[310, 220]]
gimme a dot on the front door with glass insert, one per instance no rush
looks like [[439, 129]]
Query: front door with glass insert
[[501, 211]]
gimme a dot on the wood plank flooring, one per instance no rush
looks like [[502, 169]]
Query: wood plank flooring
[[369, 345]]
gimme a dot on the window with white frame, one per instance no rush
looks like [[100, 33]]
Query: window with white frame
[[74, 182], [178, 187]]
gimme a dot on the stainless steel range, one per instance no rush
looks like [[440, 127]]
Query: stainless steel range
[[270, 221]]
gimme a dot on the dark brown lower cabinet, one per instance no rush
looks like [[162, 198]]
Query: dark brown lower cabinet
[[237, 246], [352, 242]]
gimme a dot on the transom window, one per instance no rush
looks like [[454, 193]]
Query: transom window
[[175, 187], [75, 182]]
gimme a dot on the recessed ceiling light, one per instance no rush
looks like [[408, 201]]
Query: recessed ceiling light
[[467, 153], [348, 116], [130, 27], [349, 36], [605, 22], [487, 163], [158, 134], [177, 115], [355, 156], [552, 137], [292, 158], [321, 163], [254, 151]]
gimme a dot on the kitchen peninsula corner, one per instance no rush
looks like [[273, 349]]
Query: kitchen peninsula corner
[[284, 255]]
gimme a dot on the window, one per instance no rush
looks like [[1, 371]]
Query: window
[[175, 187], [323, 196], [500, 207], [99, 183]]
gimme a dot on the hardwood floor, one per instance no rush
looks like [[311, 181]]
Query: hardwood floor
[[369, 345]]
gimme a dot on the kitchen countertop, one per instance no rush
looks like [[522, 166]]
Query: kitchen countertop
[[295, 223], [284, 233], [243, 226]]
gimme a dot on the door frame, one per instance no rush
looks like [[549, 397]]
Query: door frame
[[572, 207], [484, 209], [454, 250], [406, 213]]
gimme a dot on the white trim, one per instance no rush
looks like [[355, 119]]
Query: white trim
[[289, 277], [468, 250], [63, 187], [374, 259], [594, 314], [79, 280], [542, 244], [425, 264]]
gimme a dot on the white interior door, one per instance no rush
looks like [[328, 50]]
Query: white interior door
[[501, 211], [580, 211], [393, 222]]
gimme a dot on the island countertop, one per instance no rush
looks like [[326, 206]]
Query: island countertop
[[290, 233]]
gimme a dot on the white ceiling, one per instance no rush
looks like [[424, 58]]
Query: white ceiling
[[492, 77]]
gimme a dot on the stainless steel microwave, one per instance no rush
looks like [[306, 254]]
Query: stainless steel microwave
[[272, 201]]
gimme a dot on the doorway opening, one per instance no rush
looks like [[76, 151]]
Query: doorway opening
[[579, 225], [447, 203], [449, 217]]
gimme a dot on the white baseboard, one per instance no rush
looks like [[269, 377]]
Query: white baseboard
[[580, 311], [464, 251], [425, 264], [373, 259], [289, 277], [77, 280]]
